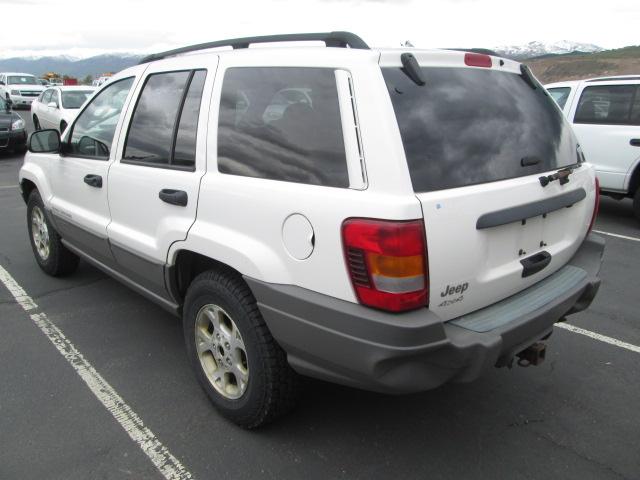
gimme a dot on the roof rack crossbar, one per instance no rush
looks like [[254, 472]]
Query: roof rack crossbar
[[331, 39]]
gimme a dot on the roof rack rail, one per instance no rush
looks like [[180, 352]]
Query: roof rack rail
[[331, 39], [614, 78]]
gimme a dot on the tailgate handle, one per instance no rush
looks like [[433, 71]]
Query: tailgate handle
[[634, 142], [535, 263]]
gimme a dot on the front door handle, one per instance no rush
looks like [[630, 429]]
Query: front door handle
[[174, 197], [634, 142], [93, 180]]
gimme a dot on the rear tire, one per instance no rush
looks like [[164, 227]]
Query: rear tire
[[223, 325], [36, 123], [52, 256], [636, 204]]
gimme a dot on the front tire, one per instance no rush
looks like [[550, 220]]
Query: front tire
[[36, 123], [63, 125], [636, 204], [52, 256], [238, 363]]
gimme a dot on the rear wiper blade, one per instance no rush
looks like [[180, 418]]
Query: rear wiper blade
[[527, 76], [561, 175]]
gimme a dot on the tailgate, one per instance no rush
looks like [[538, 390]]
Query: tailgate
[[476, 260], [477, 140]]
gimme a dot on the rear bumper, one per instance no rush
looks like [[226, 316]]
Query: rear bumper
[[350, 344]]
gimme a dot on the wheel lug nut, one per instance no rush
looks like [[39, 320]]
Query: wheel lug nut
[[227, 346]]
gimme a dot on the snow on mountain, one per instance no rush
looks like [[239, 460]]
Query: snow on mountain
[[537, 49]]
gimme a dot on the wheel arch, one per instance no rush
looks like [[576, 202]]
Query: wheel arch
[[634, 178], [32, 177], [187, 265]]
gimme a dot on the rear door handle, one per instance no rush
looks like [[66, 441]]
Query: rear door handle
[[634, 142], [535, 263], [174, 197], [93, 180]]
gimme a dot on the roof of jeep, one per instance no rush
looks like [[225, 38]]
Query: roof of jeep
[[347, 44]]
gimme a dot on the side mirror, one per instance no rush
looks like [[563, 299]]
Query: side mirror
[[45, 141], [52, 105]]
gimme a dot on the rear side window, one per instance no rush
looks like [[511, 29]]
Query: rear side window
[[560, 95], [469, 125], [185, 149], [282, 124], [607, 105], [150, 134]]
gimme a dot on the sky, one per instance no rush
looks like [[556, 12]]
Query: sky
[[87, 27]]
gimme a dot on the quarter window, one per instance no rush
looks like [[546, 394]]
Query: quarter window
[[93, 131], [163, 125], [607, 105], [282, 123], [560, 95]]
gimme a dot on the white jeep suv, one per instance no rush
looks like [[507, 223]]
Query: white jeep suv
[[385, 219], [605, 113]]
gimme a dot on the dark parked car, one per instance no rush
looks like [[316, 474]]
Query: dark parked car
[[13, 135]]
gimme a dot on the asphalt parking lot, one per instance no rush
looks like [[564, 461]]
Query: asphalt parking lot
[[575, 416]]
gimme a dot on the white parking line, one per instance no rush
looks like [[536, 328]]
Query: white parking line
[[169, 466], [617, 235], [599, 337]]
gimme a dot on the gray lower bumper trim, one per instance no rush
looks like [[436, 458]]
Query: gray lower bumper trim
[[521, 305]]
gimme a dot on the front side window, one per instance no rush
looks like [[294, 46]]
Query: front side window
[[282, 123], [607, 105], [95, 127], [46, 97], [54, 98], [75, 98], [560, 95], [163, 125]]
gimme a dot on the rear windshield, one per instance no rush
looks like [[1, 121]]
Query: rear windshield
[[468, 126]]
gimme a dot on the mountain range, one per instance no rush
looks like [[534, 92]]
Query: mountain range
[[540, 49]]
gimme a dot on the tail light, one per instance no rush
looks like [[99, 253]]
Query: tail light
[[596, 207], [387, 262]]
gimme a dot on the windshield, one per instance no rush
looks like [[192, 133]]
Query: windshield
[[21, 80], [470, 125], [75, 99]]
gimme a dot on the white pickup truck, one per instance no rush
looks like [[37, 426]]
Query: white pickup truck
[[385, 219]]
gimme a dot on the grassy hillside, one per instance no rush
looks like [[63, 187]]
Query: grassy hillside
[[576, 66]]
